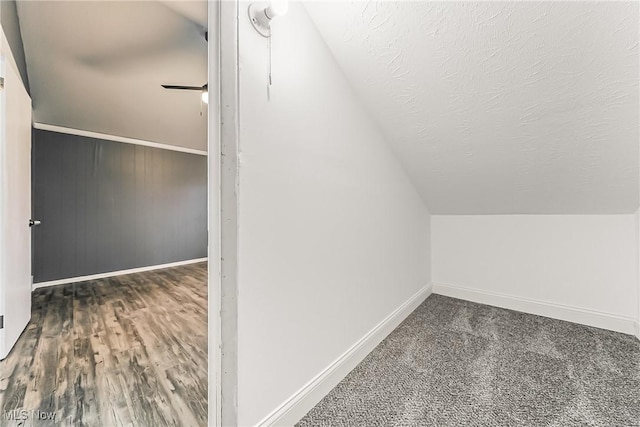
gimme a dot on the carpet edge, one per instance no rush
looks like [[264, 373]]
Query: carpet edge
[[597, 319], [296, 407]]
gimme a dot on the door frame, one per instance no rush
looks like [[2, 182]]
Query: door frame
[[223, 133]]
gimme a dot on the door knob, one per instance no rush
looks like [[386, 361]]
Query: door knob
[[34, 223]]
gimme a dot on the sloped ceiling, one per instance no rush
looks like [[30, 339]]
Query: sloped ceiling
[[500, 108], [11, 29], [98, 66]]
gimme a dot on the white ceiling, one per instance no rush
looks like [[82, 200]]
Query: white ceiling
[[98, 66], [499, 108]]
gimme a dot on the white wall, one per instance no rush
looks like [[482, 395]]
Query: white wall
[[332, 235], [579, 267], [637, 234]]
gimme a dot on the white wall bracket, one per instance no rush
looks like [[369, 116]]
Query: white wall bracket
[[260, 20]]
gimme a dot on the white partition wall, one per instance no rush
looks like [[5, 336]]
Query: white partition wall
[[333, 244], [637, 234]]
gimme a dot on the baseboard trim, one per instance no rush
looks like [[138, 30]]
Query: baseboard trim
[[582, 316], [638, 329], [115, 273], [297, 406], [123, 139]]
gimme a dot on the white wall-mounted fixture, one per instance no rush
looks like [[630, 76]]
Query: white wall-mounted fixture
[[261, 17]]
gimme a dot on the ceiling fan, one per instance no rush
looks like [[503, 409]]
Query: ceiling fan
[[204, 88]]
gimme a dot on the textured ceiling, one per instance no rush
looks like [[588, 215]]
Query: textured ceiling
[[500, 108], [98, 66]]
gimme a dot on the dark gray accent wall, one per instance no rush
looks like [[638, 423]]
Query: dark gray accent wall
[[11, 27], [108, 206]]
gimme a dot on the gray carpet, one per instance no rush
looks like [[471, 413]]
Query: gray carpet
[[457, 363]]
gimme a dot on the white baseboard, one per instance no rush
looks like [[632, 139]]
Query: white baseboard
[[114, 273], [297, 406], [638, 329], [582, 316]]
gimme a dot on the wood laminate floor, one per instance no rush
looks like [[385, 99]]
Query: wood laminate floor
[[122, 351]]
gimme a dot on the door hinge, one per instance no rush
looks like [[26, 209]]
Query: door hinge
[[1, 83], [1, 322]]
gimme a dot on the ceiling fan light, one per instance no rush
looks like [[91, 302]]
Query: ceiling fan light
[[205, 96]]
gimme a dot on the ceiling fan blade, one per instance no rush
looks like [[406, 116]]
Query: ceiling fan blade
[[182, 87]]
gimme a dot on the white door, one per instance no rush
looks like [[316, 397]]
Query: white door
[[15, 206]]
